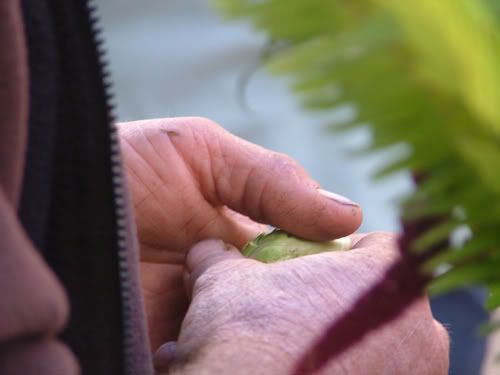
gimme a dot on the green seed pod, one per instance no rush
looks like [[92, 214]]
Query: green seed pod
[[279, 245]]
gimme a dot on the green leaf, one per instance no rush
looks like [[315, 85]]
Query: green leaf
[[423, 74]]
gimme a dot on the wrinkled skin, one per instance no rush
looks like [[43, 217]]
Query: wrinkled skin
[[248, 317], [191, 180]]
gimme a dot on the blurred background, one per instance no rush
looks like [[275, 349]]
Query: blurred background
[[180, 58]]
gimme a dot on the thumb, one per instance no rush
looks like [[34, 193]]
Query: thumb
[[272, 188], [266, 186], [204, 255]]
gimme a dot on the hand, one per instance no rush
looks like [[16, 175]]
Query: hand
[[248, 317], [191, 180]]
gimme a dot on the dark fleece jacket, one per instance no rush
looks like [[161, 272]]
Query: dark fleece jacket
[[70, 296]]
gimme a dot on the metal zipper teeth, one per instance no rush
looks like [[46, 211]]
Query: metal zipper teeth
[[118, 187]]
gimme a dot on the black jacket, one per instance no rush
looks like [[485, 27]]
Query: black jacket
[[71, 198]]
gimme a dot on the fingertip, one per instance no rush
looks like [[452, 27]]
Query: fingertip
[[327, 217], [202, 251], [204, 255], [347, 220], [164, 356]]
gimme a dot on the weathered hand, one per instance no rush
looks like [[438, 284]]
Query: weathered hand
[[188, 176], [248, 317], [192, 180]]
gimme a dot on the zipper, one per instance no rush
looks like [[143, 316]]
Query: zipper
[[119, 195], [75, 207]]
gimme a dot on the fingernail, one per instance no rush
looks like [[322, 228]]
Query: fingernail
[[337, 198]]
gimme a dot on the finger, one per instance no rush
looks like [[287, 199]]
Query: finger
[[232, 227], [378, 239], [165, 300], [266, 186], [204, 255], [164, 356], [208, 252], [378, 246]]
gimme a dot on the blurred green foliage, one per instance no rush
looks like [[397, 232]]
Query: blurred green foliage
[[425, 74]]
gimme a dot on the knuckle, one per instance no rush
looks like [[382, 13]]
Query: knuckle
[[214, 277], [283, 162], [443, 335], [438, 345], [208, 280]]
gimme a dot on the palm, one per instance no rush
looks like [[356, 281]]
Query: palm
[[165, 237], [173, 208]]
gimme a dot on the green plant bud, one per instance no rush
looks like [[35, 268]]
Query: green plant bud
[[279, 245]]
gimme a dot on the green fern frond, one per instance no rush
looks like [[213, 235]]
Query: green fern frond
[[425, 74]]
